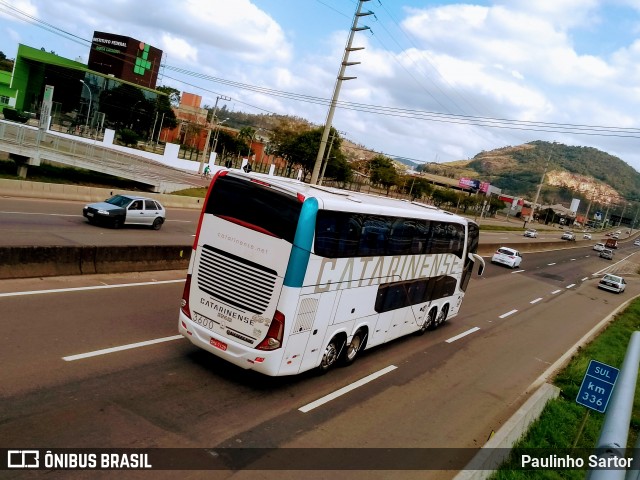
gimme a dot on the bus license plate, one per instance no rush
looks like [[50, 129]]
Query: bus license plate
[[218, 344]]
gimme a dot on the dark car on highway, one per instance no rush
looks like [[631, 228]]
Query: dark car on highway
[[122, 210]]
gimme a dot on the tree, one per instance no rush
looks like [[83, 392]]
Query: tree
[[126, 107], [466, 201], [338, 168], [245, 135], [228, 144], [172, 94], [495, 205], [382, 172], [5, 64], [165, 113], [444, 196], [416, 187], [283, 141]]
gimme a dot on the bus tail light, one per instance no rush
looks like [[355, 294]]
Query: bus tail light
[[184, 303], [273, 340]]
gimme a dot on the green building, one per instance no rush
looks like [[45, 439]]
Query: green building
[[77, 92]]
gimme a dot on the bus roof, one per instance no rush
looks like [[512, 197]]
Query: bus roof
[[330, 198]]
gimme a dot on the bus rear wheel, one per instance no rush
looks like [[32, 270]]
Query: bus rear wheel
[[353, 349], [331, 354], [442, 316], [429, 322]]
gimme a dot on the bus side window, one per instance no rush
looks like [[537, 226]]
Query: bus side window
[[419, 241], [401, 237], [350, 235], [375, 232], [327, 239]]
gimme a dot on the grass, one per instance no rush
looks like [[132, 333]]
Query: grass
[[560, 427]]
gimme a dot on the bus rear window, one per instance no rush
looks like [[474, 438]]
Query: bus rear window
[[255, 206]]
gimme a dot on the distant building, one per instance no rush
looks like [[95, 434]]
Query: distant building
[[125, 58], [75, 87]]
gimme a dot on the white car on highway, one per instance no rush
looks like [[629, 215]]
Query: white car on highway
[[122, 210], [507, 256], [598, 247], [613, 283]]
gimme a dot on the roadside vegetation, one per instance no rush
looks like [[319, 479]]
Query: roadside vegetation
[[565, 426]]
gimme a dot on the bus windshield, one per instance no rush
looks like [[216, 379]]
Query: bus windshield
[[254, 206]]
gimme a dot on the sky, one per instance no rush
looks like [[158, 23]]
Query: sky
[[436, 81]]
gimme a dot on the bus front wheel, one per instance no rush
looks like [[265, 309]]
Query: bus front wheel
[[331, 354]]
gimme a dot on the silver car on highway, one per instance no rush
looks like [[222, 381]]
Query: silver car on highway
[[122, 210]]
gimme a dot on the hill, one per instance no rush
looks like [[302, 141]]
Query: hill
[[572, 172]]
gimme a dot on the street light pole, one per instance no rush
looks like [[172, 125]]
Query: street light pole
[[215, 137], [86, 123]]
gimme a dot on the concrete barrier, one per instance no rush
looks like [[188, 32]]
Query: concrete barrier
[[48, 261], [27, 262], [24, 262], [59, 191]]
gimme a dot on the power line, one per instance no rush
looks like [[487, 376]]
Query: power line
[[396, 112]]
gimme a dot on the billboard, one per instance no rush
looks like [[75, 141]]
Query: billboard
[[469, 183], [125, 58], [575, 203]]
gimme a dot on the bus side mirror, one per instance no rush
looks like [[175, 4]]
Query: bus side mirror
[[477, 258]]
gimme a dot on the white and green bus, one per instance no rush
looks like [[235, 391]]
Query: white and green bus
[[285, 277]]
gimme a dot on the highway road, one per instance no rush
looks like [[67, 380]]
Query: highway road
[[56, 222], [37, 222], [79, 370]]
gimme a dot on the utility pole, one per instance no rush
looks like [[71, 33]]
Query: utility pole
[[633, 225], [624, 207], [535, 201], [586, 216], [336, 92], [206, 144], [326, 160]]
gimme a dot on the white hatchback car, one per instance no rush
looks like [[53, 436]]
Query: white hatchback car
[[532, 232], [507, 256], [613, 283], [598, 247], [122, 210]]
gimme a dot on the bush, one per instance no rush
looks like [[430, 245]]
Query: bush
[[15, 115], [128, 137]]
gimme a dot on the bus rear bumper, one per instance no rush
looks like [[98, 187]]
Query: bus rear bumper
[[244, 357]]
